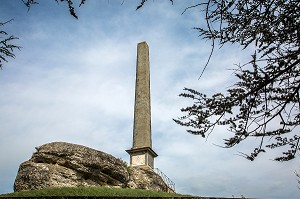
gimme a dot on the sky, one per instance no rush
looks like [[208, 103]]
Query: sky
[[74, 80]]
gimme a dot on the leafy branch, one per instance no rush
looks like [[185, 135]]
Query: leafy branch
[[264, 102], [6, 48]]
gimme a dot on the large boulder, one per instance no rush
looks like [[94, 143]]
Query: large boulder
[[61, 164], [145, 178]]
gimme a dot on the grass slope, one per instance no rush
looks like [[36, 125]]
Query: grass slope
[[91, 191]]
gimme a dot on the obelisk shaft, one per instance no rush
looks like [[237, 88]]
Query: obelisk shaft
[[142, 107]]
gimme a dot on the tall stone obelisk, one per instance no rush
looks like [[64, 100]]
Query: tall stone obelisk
[[141, 153]]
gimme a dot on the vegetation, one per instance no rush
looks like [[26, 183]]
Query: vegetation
[[91, 191], [298, 177], [6, 48], [264, 102]]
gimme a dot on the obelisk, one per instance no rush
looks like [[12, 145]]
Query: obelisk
[[141, 153]]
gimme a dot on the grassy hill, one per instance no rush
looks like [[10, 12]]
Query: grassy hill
[[92, 191]]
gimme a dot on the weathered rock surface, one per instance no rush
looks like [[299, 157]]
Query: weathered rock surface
[[61, 164], [142, 178]]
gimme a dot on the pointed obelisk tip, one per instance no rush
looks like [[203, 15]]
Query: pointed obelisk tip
[[142, 43]]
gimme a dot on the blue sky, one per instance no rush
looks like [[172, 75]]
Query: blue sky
[[73, 81]]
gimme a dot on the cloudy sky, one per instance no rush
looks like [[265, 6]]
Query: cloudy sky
[[73, 81]]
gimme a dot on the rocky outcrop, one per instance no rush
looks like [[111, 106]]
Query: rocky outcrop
[[143, 178], [61, 164]]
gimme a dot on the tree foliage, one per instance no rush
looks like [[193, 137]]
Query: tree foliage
[[70, 3], [298, 178], [6, 48], [264, 103]]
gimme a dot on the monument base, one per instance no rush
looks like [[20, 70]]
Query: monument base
[[142, 157]]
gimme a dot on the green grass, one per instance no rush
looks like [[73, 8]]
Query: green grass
[[92, 191]]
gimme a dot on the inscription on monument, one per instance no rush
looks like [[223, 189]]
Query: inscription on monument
[[138, 160]]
